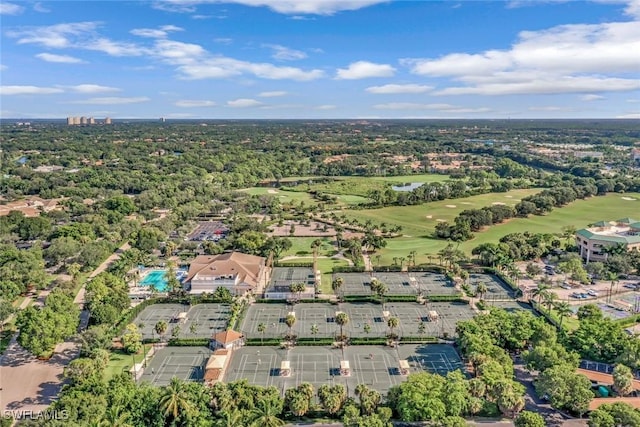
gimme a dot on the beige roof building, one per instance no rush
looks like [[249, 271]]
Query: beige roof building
[[238, 272]]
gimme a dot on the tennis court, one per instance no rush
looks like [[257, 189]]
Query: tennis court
[[412, 315], [376, 366], [511, 306], [413, 283], [207, 318], [497, 289], [185, 363], [283, 277]]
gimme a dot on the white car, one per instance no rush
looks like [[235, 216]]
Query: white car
[[592, 292]]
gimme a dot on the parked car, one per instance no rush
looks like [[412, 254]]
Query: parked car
[[629, 286], [564, 286], [592, 292]]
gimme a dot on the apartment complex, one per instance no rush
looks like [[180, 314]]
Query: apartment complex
[[594, 240], [73, 121]]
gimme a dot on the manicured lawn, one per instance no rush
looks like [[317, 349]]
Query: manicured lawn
[[417, 228], [301, 246], [120, 362], [325, 265], [283, 196]]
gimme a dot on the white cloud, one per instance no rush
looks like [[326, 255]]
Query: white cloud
[[3, 67], [447, 108], [272, 94], [363, 70], [159, 33], [395, 89], [112, 100], [10, 9], [284, 53], [62, 59], [591, 97], [629, 116], [55, 36], [191, 103], [326, 107], [115, 48], [244, 103], [549, 108], [40, 8], [562, 59], [28, 90], [91, 88], [287, 7], [412, 106], [223, 40]]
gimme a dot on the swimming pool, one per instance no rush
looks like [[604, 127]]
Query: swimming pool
[[158, 279]]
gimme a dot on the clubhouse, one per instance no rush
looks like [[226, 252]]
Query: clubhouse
[[594, 240]]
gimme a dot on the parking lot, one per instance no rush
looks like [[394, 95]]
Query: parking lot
[[209, 231]]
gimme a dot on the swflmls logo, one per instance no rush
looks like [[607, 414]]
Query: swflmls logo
[[21, 414]]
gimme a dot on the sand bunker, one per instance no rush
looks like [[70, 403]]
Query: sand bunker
[[451, 206], [441, 220], [628, 198], [272, 191], [429, 216], [465, 203], [498, 203], [509, 197]]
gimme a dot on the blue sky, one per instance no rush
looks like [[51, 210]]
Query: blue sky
[[320, 59]]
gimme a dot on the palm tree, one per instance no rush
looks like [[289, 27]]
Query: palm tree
[[569, 232], [175, 400], [314, 331], [367, 328], [161, 327], [392, 323], [342, 319], [290, 320], [336, 285], [262, 329], [549, 298], [297, 288], [265, 415], [482, 289], [613, 277], [564, 310], [540, 292], [379, 289], [114, 417], [230, 418]]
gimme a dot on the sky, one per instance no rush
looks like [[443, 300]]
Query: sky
[[320, 59]]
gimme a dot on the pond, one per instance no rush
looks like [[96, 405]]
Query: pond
[[407, 187]]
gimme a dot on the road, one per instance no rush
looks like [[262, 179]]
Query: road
[[30, 384]]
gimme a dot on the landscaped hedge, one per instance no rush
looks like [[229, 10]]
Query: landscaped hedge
[[387, 268], [348, 269], [447, 298], [427, 268], [368, 341], [270, 301], [151, 340], [418, 340], [361, 298], [400, 298], [294, 264], [188, 342], [315, 341], [263, 342], [628, 321]]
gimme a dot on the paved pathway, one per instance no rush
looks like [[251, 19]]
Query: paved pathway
[[30, 384]]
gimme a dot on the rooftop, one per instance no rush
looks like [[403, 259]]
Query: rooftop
[[624, 230]]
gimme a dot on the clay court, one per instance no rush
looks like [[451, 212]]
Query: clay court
[[375, 366], [207, 318], [185, 363], [413, 283]]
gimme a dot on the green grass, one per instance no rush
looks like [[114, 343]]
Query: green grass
[[403, 179], [301, 246], [121, 362], [283, 196], [417, 229], [325, 265]]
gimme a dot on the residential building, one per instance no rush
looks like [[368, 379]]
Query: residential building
[[238, 272], [594, 240]]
